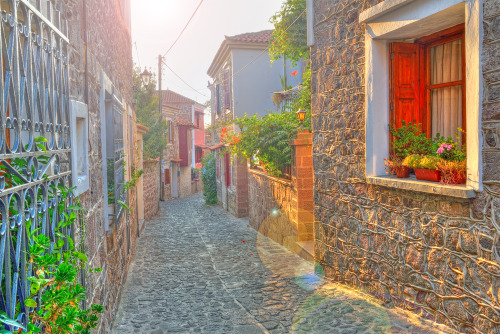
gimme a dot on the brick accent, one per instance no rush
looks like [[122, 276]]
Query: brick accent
[[304, 182]]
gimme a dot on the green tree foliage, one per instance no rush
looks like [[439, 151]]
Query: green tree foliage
[[209, 179], [291, 43], [267, 138], [155, 140]]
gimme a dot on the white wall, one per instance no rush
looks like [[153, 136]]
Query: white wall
[[254, 86]]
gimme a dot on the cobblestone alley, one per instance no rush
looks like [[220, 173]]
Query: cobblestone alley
[[197, 269]]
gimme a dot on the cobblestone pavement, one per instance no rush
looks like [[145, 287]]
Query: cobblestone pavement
[[192, 273]]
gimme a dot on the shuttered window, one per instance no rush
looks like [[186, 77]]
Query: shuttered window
[[227, 164], [217, 99], [183, 145], [227, 90], [427, 83], [167, 176]]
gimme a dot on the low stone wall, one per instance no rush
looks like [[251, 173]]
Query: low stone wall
[[273, 212], [151, 188]]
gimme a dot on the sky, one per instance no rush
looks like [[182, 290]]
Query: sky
[[157, 23]]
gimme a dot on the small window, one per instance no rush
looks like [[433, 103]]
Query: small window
[[79, 153], [198, 155]]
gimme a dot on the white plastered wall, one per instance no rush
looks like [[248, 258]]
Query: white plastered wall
[[402, 20]]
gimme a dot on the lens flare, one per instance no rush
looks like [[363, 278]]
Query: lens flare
[[335, 307]]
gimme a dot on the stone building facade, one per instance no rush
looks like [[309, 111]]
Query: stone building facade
[[244, 77], [433, 250], [179, 158], [100, 60], [151, 189]]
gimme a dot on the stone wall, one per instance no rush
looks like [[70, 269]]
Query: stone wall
[[272, 211], [434, 255], [108, 51], [151, 189]]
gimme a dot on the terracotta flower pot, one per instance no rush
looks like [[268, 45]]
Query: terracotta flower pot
[[460, 178], [403, 172], [425, 174]]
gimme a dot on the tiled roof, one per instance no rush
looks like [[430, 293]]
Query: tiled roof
[[169, 96], [263, 36], [182, 121]]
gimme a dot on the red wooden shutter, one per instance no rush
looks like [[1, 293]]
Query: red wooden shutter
[[217, 166], [183, 145], [227, 90], [167, 176], [406, 86], [227, 160]]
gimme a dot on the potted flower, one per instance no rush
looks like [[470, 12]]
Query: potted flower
[[427, 168], [453, 165], [397, 167], [453, 172]]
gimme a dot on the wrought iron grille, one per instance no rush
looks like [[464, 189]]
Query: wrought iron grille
[[34, 103]]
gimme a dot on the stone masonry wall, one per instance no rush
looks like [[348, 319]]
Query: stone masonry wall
[[151, 189], [109, 51], [434, 255], [272, 211]]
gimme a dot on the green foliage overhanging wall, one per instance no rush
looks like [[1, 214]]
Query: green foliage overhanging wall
[[155, 140]]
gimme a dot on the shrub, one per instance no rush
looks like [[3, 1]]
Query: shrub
[[209, 179]]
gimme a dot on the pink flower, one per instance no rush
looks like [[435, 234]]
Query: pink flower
[[440, 150], [449, 147]]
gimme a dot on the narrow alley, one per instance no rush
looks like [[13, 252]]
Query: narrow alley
[[197, 269]]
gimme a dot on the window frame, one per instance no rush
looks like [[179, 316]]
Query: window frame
[[387, 24], [428, 42]]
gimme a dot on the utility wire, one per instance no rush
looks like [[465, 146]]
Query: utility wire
[[171, 70], [189, 21], [137, 53]]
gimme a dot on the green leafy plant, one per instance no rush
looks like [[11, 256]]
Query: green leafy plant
[[54, 265], [267, 138], [409, 139], [209, 179], [155, 140]]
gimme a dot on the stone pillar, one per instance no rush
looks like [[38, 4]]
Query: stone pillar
[[304, 176]]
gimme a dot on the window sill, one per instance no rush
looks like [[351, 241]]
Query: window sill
[[412, 184]]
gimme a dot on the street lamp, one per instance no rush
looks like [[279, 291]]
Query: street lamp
[[301, 115], [146, 77]]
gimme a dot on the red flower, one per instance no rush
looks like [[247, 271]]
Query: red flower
[[294, 73], [224, 129]]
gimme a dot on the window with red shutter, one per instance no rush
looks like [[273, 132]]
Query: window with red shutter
[[183, 145], [167, 176], [227, 161], [427, 83]]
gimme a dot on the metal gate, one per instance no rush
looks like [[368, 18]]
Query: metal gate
[[34, 103]]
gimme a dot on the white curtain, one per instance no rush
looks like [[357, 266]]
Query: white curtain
[[446, 66]]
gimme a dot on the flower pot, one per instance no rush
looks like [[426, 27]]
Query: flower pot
[[425, 174], [460, 178], [403, 172]]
